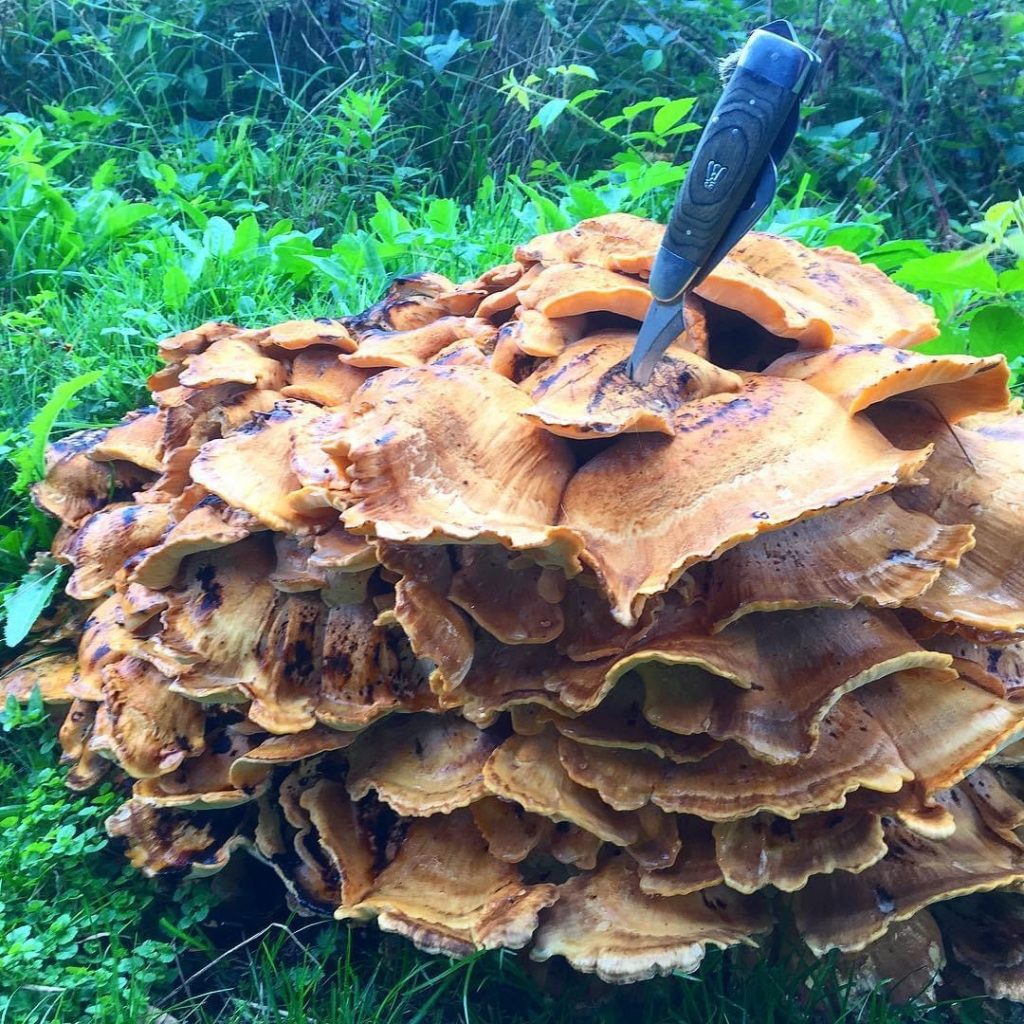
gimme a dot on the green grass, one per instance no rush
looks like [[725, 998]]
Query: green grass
[[103, 250]]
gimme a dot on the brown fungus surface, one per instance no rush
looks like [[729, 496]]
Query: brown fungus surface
[[454, 628], [141, 724], [569, 289], [75, 485], [421, 764], [768, 681], [604, 924], [233, 360], [447, 894], [647, 508], [107, 540], [858, 376], [318, 375], [52, 674], [766, 850], [585, 391], [986, 934], [418, 345], [870, 552], [136, 439], [614, 241], [853, 752], [817, 297], [847, 911], [503, 598], [908, 960], [976, 478], [210, 524], [222, 466], [440, 454]]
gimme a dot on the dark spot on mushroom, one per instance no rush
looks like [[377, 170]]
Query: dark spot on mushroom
[[212, 591], [883, 900], [300, 663], [279, 414], [222, 744], [339, 663]]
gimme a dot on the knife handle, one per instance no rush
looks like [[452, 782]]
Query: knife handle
[[748, 118]]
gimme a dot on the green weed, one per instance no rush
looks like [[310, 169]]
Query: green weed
[[79, 930]]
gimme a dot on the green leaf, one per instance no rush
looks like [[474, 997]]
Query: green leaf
[[947, 343], [442, 217], [652, 59], [175, 287], [583, 70], [247, 236], [438, 55], [25, 603], [682, 129], [855, 237], [547, 114], [120, 219], [671, 114], [996, 329], [219, 237], [1012, 280], [329, 267], [30, 458], [587, 94], [168, 179], [194, 79], [638, 108], [967, 270], [890, 256], [104, 175]]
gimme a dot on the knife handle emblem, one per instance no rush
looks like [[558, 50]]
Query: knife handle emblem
[[714, 174]]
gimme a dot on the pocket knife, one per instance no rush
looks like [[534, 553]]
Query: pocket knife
[[731, 180]]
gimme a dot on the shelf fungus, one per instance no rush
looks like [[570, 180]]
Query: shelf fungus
[[454, 627], [586, 392]]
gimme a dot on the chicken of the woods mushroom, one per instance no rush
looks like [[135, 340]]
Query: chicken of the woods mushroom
[[437, 613]]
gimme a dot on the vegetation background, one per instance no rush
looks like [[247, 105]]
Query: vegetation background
[[162, 162]]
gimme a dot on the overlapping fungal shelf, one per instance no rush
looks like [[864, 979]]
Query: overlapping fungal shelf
[[435, 612]]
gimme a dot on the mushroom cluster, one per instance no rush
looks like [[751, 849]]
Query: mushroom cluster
[[441, 616]]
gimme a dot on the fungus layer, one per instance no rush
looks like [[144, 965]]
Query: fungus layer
[[455, 628]]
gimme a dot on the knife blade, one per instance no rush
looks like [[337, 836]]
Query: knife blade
[[730, 182]]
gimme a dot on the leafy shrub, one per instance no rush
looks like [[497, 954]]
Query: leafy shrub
[[978, 292], [914, 113]]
